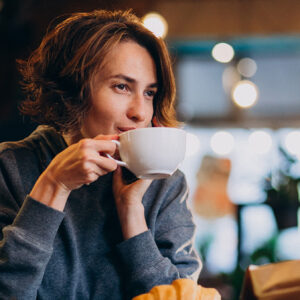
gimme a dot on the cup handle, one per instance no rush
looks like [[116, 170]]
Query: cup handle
[[119, 162]]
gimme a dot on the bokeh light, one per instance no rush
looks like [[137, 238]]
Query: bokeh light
[[222, 143], [156, 23], [292, 142], [222, 52], [245, 93], [260, 142], [247, 67]]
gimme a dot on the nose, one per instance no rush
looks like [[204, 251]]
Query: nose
[[137, 109]]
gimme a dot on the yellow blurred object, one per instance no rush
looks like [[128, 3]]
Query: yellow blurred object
[[211, 199], [180, 289], [276, 281]]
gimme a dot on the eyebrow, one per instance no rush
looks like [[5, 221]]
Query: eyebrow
[[131, 80]]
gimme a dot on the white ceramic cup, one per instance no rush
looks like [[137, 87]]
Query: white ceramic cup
[[152, 152]]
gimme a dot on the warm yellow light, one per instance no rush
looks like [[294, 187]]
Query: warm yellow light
[[222, 52], [260, 141], [192, 144], [247, 67], [245, 93], [156, 23], [222, 142], [292, 142]]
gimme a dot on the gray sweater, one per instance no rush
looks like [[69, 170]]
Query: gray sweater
[[80, 253]]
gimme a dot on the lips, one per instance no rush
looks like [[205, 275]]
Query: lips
[[123, 129]]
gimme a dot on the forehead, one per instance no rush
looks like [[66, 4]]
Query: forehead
[[131, 59]]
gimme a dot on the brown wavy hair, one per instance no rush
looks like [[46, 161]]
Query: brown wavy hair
[[57, 76]]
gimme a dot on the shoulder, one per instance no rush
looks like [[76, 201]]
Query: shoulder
[[22, 162], [166, 205], [178, 178], [10, 150], [165, 192], [172, 185], [42, 134], [44, 140]]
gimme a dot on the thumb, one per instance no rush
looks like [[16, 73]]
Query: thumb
[[142, 185], [117, 178], [136, 189]]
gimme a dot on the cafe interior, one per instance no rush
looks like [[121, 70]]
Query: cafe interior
[[237, 70]]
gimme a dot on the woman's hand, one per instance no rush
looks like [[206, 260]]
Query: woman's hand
[[83, 162], [128, 198], [79, 164]]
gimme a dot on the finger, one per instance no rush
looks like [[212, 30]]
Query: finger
[[98, 145], [140, 185], [106, 164], [97, 172], [92, 172], [106, 137], [106, 147], [92, 160], [91, 177], [101, 161]]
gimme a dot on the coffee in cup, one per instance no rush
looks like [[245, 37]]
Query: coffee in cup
[[152, 152]]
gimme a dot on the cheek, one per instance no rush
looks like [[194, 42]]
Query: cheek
[[151, 112], [103, 105], [103, 117]]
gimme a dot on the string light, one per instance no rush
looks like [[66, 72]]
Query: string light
[[222, 142], [245, 93], [156, 23], [247, 67], [222, 52], [292, 142], [260, 141]]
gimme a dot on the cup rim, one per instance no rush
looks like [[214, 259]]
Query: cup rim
[[155, 128]]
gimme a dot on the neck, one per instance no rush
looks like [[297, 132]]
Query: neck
[[71, 138]]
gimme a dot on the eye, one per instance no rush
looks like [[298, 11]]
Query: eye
[[150, 93], [121, 87]]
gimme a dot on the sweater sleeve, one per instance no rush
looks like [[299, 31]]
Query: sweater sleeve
[[164, 254], [26, 248], [28, 229]]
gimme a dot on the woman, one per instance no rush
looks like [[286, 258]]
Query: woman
[[73, 228]]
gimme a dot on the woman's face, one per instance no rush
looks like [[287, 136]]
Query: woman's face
[[122, 92]]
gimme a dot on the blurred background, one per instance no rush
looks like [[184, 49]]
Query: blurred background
[[237, 67]]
